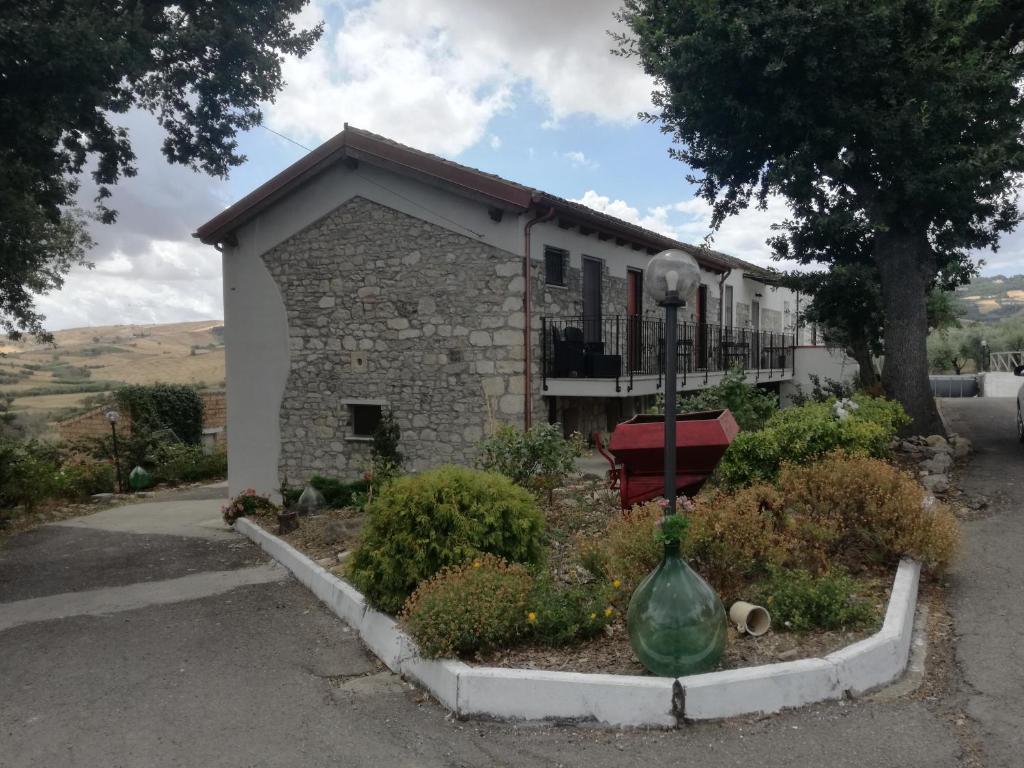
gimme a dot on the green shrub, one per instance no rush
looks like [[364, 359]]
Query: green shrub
[[463, 609], [29, 474], [539, 459], [175, 463], [560, 614], [750, 405], [831, 389], [246, 504], [801, 601], [806, 432], [419, 524], [81, 480], [152, 407], [387, 459]]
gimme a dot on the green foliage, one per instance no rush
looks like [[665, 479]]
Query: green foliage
[[539, 459], [247, 504], [419, 524], [959, 349], [177, 407], [73, 69], [464, 609], [175, 463], [801, 601], [78, 481], [559, 614], [337, 493], [915, 156], [29, 473], [387, 459], [808, 431], [751, 406]]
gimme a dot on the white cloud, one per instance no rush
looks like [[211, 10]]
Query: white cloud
[[579, 160], [495, 142], [689, 221], [434, 73], [148, 267]]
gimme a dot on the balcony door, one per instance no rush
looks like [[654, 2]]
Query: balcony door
[[755, 321], [591, 300], [702, 327], [634, 311]]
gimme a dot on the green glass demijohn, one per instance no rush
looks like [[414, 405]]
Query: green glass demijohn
[[677, 624], [139, 479]]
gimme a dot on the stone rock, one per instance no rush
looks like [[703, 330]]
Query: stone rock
[[908, 447], [936, 483], [934, 440], [961, 447], [938, 464]]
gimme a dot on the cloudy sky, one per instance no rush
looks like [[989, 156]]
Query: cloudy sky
[[528, 91]]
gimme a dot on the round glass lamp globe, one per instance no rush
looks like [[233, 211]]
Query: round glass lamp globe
[[671, 277]]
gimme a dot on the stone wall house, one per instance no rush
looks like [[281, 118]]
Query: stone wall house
[[370, 276]]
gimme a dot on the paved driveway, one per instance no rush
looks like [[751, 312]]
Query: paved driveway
[[148, 636]]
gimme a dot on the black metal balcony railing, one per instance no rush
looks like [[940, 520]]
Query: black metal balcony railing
[[623, 348]]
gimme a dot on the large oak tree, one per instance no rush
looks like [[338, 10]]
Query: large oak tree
[[906, 113], [69, 67]]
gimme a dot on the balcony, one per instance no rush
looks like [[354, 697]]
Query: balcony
[[622, 356]]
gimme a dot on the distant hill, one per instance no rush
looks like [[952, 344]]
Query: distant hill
[[50, 382], [989, 299]]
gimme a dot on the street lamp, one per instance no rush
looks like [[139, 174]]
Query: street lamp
[[112, 417], [676, 622], [670, 279]]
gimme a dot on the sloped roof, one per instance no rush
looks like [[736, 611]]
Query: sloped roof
[[355, 144]]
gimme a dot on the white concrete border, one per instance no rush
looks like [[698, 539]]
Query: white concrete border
[[618, 700]]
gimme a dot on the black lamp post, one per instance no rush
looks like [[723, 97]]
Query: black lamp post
[[112, 417], [670, 278]]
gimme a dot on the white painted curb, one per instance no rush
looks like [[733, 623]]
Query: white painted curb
[[619, 700]]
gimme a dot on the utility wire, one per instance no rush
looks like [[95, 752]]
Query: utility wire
[[286, 138]]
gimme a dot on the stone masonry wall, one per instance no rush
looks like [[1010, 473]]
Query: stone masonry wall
[[383, 306]]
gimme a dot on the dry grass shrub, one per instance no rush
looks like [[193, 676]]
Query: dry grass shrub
[[856, 510], [463, 609], [845, 510], [735, 537], [627, 550]]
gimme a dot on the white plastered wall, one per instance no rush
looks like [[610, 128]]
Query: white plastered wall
[[822, 361]]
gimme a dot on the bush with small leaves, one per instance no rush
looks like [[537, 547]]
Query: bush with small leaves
[[421, 523], [468, 608], [559, 614], [865, 510], [539, 459], [801, 601], [806, 432]]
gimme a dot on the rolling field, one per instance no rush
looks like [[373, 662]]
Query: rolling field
[[50, 382]]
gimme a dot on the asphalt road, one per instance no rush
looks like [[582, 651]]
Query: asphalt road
[[261, 675]]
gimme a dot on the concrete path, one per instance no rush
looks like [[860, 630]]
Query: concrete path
[[229, 673], [986, 599]]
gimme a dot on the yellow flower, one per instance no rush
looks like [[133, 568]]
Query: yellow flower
[[531, 617], [608, 611], [477, 563], [593, 616], [616, 583]]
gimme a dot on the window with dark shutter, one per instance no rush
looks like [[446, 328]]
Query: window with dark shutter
[[555, 260]]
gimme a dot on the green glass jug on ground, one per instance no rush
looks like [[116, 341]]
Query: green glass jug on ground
[[139, 479], [676, 622]]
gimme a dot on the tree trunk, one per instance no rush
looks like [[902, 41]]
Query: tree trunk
[[861, 352], [907, 267]]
